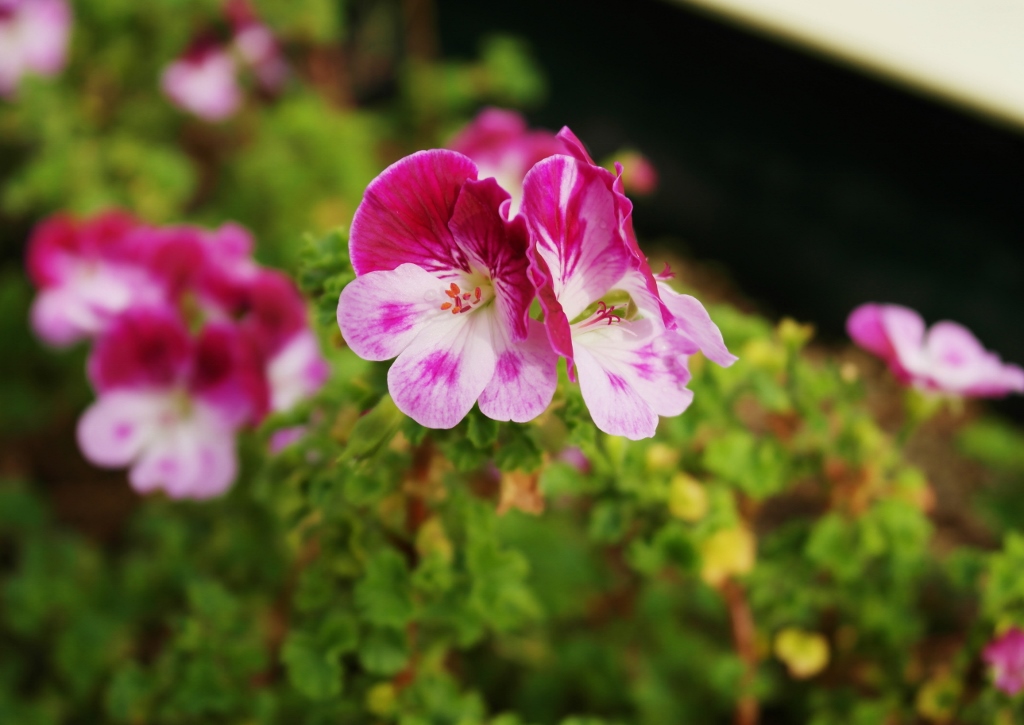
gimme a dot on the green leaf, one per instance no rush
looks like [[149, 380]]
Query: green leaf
[[313, 672], [374, 430], [384, 651], [384, 595]]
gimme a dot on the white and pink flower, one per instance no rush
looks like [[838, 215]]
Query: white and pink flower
[[33, 39], [169, 405], [442, 286], [945, 358], [84, 275], [204, 81], [1005, 655]]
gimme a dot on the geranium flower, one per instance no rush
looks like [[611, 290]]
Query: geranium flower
[[442, 285], [33, 39], [204, 81], [946, 358], [169, 406], [85, 276], [589, 282], [256, 45], [1005, 656], [503, 148]]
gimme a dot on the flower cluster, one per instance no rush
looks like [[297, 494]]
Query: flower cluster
[[192, 341], [1005, 656], [33, 39], [947, 358], [447, 276], [205, 80]]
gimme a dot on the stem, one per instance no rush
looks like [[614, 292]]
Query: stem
[[742, 621]]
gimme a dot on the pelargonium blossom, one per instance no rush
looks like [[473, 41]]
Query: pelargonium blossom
[[588, 281], [1005, 655], [204, 81], [256, 45], [503, 148], [945, 358], [169, 405], [442, 286], [33, 39], [85, 275]]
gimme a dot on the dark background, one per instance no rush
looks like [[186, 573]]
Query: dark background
[[817, 188]]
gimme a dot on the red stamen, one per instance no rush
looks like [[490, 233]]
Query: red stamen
[[466, 295], [455, 288], [477, 293], [465, 309], [446, 306]]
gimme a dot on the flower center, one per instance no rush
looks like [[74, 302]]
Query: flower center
[[477, 292], [603, 315]]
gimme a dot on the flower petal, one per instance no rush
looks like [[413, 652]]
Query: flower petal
[[380, 313], [629, 375], [694, 324], [439, 376], [865, 328], [403, 218], [114, 430], [496, 245], [145, 347], [296, 372], [525, 377], [904, 329], [194, 459], [575, 229], [960, 364]]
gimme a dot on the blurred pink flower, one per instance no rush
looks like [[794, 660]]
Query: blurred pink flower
[[638, 174], [33, 39], [503, 148], [204, 81], [84, 275], [946, 358], [169, 405], [1005, 655], [285, 437]]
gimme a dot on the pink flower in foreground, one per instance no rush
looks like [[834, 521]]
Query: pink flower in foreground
[[204, 81], [503, 148], [169, 405], [1005, 656], [629, 370], [946, 358], [33, 39], [84, 275], [442, 285]]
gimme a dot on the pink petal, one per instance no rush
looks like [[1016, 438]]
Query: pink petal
[[59, 318], [404, 215], [959, 364], [53, 246], [45, 25], [206, 86], [525, 377], [904, 329], [145, 347], [227, 373], [381, 313], [194, 459], [439, 376], [629, 375], [695, 325], [490, 243], [864, 326], [574, 225], [297, 372], [114, 430]]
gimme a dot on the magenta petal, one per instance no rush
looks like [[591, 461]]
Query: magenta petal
[[380, 313], [574, 146], [525, 377], [498, 246], [439, 376], [145, 347], [403, 218], [864, 326], [575, 230], [694, 324]]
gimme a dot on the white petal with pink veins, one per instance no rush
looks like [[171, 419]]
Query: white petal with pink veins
[[381, 313], [440, 375], [525, 376]]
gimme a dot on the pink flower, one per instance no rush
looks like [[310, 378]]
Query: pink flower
[[204, 82], [84, 275], [503, 148], [168, 405], [33, 39], [629, 370], [442, 285], [1005, 656], [946, 358], [638, 174], [285, 438]]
